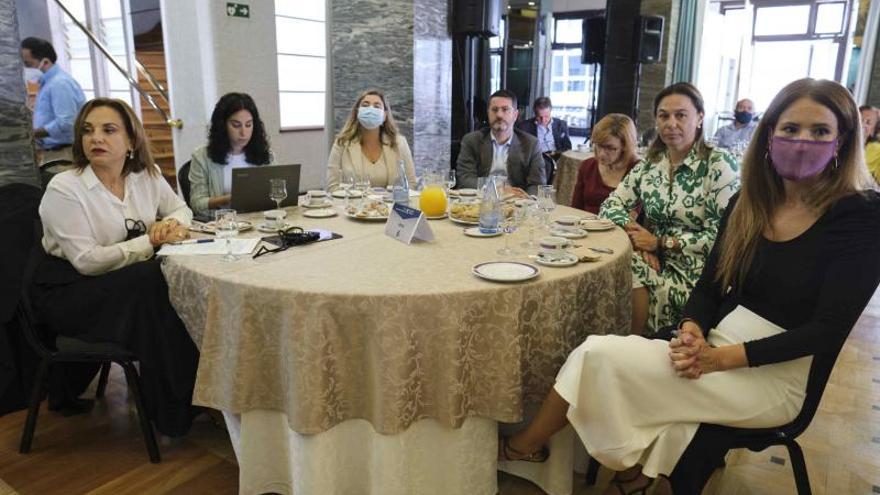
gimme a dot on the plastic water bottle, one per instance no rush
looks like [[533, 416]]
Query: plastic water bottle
[[401, 185], [490, 208]]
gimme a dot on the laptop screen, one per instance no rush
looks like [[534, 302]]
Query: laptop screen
[[250, 186]]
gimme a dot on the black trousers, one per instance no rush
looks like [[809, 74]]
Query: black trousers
[[129, 307]]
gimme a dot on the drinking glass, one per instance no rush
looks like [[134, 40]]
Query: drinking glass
[[509, 226], [432, 200], [277, 191], [346, 182], [546, 202], [226, 227], [362, 184], [531, 216], [450, 179]]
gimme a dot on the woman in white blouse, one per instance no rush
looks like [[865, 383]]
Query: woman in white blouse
[[236, 139], [98, 279], [370, 146]]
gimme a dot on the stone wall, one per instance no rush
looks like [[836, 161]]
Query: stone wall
[[874, 87], [655, 77], [402, 48], [16, 151]]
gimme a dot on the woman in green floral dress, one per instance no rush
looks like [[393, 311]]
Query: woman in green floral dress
[[683, 186]]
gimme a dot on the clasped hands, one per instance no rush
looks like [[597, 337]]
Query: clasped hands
[[691, 355], [168, 230], [645, 243]]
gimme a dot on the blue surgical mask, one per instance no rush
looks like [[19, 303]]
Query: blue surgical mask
[[371, 117]]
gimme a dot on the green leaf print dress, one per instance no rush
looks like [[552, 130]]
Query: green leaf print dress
[[688, 208]]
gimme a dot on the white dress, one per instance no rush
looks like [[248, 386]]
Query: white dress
[[629, 407]]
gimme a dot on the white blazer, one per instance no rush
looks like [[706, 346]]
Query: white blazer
[[350, 157]]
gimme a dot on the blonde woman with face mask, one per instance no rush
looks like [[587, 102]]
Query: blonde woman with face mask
[[370, 146]]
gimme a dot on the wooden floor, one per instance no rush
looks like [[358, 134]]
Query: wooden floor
[[103, 452]]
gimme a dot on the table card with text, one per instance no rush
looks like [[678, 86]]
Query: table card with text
[[406, 224]]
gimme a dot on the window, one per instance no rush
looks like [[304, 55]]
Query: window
[[790, 19], [572, 83], [301, 41], [496, 53]]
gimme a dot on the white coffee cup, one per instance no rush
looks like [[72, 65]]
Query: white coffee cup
[[583, 147], [316, 197], [553, 246]]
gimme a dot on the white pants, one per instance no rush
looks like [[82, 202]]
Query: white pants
[[629, 407]]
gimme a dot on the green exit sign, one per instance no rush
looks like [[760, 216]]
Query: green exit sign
[[238, 10]]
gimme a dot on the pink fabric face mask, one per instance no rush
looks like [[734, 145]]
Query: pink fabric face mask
[[799, 159]]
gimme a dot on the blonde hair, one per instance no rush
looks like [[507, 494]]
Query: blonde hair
[[140, 157], [621, 127], [352, 129], [762, 188]]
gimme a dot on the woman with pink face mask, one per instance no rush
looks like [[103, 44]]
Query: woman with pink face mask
[[796, 261]]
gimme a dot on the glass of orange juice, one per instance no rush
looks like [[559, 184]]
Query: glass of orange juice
[[432, 200]]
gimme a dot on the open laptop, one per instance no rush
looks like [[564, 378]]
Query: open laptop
[[250, 186]]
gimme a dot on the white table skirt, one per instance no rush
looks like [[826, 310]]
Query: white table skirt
[[352, 459]]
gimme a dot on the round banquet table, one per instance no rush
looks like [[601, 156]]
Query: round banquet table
[[567, 167], [365, 365]]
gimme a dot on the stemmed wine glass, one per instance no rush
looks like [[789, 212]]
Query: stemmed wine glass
[[226, 227], [546, 202], [346, 182], [277, 191], [530, 218]]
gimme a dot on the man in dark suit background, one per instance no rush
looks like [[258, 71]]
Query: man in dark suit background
[[501, 149], [552, 134]]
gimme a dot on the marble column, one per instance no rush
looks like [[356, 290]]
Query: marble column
[[402, 48], [16, 151]]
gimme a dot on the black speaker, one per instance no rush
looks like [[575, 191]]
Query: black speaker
[[649, 39], [593, 45], [476, 17]]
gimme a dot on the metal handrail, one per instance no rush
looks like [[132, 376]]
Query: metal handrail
[[145, 94]]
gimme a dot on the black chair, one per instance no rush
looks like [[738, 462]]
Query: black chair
[[706, 451], [183, 181], [72, 350]]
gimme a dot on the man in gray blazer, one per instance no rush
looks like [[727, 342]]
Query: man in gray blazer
[[501, 149]]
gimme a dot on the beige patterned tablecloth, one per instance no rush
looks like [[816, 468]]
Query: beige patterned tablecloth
[[368, 327], [566, 174]]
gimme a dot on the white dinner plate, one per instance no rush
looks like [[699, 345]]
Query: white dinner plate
[[598, 225], [367, 218], [340, 193], [326, 204], [568, 232], [565, 259], [320, 213], [462, 222], [467, 193], [476, 232], [271, 228], [505, 271], [208, 227]]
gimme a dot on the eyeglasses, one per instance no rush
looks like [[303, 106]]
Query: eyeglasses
[[293, 236], [134, 228]]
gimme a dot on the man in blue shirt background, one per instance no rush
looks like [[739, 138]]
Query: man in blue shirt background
[[58, 101]]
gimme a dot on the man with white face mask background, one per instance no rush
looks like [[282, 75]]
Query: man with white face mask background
[[58, 101], [501, 149], [741, 129]]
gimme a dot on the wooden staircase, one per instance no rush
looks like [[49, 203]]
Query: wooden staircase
[[158, 131]]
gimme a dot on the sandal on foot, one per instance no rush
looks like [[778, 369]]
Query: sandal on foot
[[639, 490], [509, 453]]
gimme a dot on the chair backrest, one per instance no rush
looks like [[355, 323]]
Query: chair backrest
[[183, 181], [19, 204], [820, 371]]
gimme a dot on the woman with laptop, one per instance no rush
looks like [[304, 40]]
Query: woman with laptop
[[237, 139], [370, 146]]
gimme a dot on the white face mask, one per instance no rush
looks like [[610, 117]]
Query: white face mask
[[371, 117], [32, 75]]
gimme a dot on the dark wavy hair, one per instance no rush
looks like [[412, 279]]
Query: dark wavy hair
[[257, 150], [658, 147]]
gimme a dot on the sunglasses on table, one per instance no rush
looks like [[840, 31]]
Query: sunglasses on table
[[292, 236]]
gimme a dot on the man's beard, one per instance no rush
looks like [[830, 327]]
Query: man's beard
[[500, 126]]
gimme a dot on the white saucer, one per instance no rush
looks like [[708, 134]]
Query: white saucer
[[568, 232], [566, 259], [271, 228], [320, 213], [208, 227], [598, 225], [462, 222], [436, 217], [367, 218], [326, 204], [476, 232], [340, 193], [505, 271]]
